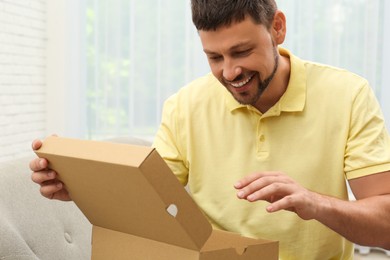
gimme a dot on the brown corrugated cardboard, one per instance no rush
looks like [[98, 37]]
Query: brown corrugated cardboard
[[126, 191]]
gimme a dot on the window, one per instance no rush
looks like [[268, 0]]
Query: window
[[137, 53], [346, 34]]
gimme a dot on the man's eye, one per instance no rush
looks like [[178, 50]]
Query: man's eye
[[215, 58], [243, 53]]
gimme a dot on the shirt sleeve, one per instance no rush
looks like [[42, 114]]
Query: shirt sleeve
[[368, 145], [167, 141]]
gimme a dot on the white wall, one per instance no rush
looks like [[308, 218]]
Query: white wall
[[22, 75]]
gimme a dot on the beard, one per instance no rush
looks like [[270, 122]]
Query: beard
[[247, 99]]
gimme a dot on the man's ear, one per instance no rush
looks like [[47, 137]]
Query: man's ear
[[278, 27]]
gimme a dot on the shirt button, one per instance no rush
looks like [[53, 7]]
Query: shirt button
[[68, 238], [262, 138]]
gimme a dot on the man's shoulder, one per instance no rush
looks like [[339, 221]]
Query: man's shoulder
[[318, 69], [332, 78]]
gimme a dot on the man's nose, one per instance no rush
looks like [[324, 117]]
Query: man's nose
[[231, 71]]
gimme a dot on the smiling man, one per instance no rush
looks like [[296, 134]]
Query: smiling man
[[267, 141], [287, 133]]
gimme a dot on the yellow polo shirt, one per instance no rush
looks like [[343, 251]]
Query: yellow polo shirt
[[325, 128]]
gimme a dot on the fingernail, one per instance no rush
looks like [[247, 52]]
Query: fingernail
[[50, 174], [42, 163], [237, 185], [240, 194], [59, 185]]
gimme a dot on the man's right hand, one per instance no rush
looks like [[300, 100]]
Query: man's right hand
[[51, 187]]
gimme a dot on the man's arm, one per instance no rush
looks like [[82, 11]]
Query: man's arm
[[365, 221]]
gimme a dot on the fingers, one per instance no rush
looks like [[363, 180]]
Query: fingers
[[42, 176], [286, 203], [55, 190], [36, 144], [38, 164], [271, 192], [251, 178], [305, 204], [261, 185], [282, 192], [51, 187]]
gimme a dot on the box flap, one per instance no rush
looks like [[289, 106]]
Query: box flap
[[127, 188]]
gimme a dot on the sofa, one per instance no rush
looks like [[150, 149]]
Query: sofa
[[33, 227]]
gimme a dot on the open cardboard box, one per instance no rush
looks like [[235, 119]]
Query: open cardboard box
[[139, 210]]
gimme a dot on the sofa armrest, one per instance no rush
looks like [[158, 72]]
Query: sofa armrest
[[33, 227]]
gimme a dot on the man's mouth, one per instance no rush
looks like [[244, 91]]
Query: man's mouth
[[241, 83]]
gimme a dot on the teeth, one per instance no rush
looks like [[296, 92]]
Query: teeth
[[242, 83]]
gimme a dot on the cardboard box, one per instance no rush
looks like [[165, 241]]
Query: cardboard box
[[139, 210]]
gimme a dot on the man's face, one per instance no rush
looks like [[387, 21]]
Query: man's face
[[243, 57]]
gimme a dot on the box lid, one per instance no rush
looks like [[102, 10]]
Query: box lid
[[127, 188]]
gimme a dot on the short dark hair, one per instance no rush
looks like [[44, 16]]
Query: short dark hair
[[210, 14]]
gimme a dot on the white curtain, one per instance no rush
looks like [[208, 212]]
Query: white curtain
[[343, 33], [139, 52], [384, 93]]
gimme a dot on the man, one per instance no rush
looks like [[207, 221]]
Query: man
[[285, 133]]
